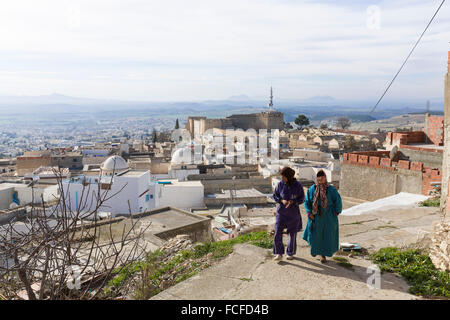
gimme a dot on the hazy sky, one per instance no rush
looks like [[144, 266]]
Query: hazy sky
[[208, 49]]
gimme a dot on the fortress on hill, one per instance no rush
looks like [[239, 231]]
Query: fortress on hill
[[270, 119]]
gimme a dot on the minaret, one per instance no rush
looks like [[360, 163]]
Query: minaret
[[271, 100]]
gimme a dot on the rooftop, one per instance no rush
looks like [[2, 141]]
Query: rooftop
[[425, 146], [133, 173], [243, 193], [164, 219], [175, 182]]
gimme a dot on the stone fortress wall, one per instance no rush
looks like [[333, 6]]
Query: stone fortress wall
[[264, 120]]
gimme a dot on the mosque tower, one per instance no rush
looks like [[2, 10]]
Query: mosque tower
[[271, 100]]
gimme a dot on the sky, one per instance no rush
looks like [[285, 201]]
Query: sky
[[178, 50]]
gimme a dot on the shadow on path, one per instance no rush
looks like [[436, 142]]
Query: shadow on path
[[389, 281]]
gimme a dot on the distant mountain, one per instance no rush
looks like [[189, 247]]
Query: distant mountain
[[241, 97], [321, 99], [315, 108]]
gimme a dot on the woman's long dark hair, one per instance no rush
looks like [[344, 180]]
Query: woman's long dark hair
[[289, 174]]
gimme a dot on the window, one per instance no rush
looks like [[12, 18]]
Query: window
[[106, 186], [147, 197]]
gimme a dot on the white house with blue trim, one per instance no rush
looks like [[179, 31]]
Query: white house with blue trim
[[128, 191]]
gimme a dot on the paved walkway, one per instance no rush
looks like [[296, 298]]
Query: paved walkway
[[250, 273]]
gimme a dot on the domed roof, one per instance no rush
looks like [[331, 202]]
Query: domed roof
[[114, 163], [182, 156]]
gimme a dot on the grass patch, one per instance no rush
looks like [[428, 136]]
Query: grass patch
[[246, 279], [155, 273], [417, 269], [385, 227], [356, 222], [433, 202], [343, 262]]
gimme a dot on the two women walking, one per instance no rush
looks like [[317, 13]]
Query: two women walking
[[322, 205]]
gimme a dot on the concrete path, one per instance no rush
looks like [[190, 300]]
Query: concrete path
[[250, 273]]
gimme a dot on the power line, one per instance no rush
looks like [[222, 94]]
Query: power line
[[404, 62]]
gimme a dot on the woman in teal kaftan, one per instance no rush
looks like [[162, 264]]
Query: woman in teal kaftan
[[322, 229]]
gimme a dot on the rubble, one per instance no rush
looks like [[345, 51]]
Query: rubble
[[173, 245], [440, 247]]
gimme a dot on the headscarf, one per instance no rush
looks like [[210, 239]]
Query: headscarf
[[289, 174], [320, 192]]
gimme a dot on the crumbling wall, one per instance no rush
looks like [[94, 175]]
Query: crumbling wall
[[440, 247], [445, 194]]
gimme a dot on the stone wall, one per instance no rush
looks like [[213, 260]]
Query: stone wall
[[440, 249], [440, 246], [445, 194], [29, 164], [263, 120]]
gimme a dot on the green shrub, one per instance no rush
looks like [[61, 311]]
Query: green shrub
[[433, 202], [416, 268]]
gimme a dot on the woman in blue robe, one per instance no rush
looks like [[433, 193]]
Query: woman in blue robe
[[289, 195], [323, 204]]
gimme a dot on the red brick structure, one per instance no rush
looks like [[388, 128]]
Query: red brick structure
[[432, 134], [381, 160], [434, 129]]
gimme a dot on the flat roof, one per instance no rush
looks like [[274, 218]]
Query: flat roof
[[133, 173], [169, 218], [175, 182], [425, 146], [7, 185], [243, 193]]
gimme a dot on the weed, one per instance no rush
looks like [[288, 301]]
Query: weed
[[416, 268], [343, 262], [246, 279], [433, 202]]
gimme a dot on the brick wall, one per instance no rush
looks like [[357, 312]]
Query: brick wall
[[29, 164], [405, 138], [379, 159], [430, 175], [435, 129]]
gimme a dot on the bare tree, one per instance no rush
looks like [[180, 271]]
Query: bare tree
[[61, 253], [343, 122], [350, 143]]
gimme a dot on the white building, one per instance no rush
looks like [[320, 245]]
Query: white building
[[179, 194], [126, 190]]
